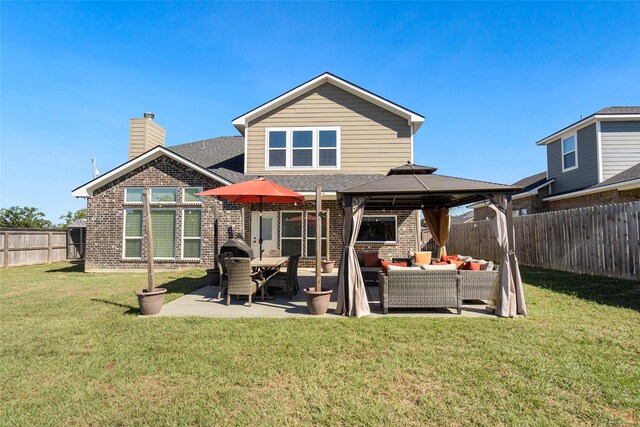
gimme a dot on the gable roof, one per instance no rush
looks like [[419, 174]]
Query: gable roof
[[86, 190], [608, 113], [414, 118]]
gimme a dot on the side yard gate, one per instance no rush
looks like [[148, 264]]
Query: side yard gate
[[602, 240]]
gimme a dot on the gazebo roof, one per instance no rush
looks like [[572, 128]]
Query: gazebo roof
[[414, 187]]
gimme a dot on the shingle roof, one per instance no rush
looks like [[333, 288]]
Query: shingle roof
[[225, 156], [619, 110], [626, 175], [530, 182]]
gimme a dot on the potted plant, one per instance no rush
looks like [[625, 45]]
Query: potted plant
[[152, 298], [317, 299]]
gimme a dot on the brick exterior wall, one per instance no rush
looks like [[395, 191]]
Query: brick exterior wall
[[405, 233], [105, 216], [602, 198]]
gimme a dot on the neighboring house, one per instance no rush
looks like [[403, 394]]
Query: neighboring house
[[591, 162], [462, 218], [527, 201], [326, 132]]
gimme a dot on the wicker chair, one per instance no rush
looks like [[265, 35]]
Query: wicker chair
[[478, 284], [223, 272], [239, 278], [287, 280], [419, 289]]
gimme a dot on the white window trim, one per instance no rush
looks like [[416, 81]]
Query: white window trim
[[395, 218], [191, 203], [292, 238], [124, 233], [190, 238], [126, 190], [562, 153], [289, 148], [306, 234]]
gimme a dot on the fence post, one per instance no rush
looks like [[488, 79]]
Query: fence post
[[49, 247], [5, 261]]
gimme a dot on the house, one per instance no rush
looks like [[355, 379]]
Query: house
[[326, 132], [593, 161], [528, 200]]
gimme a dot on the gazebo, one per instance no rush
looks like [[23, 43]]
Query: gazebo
[[418, 187]]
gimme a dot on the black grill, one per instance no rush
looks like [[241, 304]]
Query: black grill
[[237, 247]]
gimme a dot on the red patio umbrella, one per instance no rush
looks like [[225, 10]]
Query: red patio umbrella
[[258, 190]]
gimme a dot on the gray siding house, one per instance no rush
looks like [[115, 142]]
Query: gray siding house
[[593, 160]]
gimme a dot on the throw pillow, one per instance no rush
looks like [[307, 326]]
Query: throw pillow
[[421, 258], [386, 264], [370, 259], [471, 265]]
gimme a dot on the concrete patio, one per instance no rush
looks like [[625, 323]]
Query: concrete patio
[[204, 303]]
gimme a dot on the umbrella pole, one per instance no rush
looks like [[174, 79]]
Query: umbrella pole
[[260, 228]]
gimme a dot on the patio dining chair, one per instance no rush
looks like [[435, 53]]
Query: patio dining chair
[[240, 281], [287, 280], [223, 272]]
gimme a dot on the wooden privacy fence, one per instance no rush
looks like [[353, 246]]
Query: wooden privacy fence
[[602, 240], [32, 246]]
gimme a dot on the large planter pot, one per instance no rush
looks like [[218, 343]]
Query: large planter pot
[[327, 266], [213, 277], [317, 302], [151, 302]]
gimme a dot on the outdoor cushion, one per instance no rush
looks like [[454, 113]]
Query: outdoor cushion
[[471, 265], [392, 267], [439, 263], [464, 258], [457, 263], [370, 259], [385, 264], [422, 258], [449, 258], [488, 265], [439, 266]]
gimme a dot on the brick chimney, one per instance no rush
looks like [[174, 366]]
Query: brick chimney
[[144, 134]]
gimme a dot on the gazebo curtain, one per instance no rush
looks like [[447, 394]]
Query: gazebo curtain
[[510, 294], [438, 221], [352, 297]]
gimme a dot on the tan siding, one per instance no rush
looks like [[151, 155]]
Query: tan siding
[[144, 134], [373, 140], [620, 147]]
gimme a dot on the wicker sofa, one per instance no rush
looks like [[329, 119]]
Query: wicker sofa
[[477, 284], [419, 289]]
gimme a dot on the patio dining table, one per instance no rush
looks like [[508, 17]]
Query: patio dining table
[[269, 264]]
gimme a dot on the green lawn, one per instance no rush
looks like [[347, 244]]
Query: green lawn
[[74, 351]]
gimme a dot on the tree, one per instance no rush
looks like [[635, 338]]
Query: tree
[[70, 217], [23, 217]]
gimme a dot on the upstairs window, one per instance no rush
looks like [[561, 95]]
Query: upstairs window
[[569, 153], [164, 195], [303, 148]]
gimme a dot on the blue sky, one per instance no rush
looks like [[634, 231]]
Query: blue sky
[[490, 78]]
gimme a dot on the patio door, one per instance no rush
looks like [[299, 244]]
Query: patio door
[[269, 231]]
